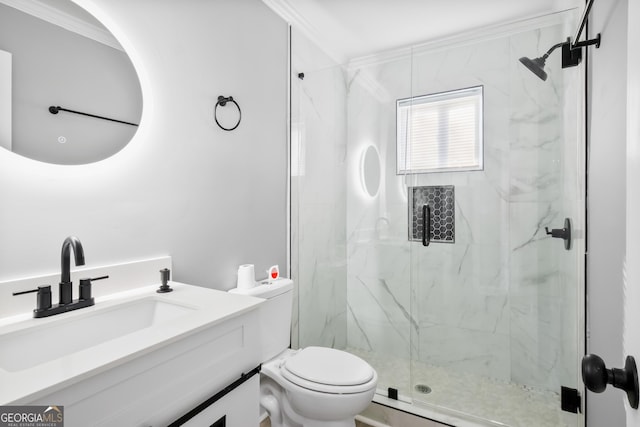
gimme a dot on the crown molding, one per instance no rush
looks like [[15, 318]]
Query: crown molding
[[64, 20], [464, 38], [286, 11]]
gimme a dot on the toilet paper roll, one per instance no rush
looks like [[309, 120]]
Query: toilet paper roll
[[246, 276]]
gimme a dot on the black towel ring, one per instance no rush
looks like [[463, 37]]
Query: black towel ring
[[222, 101]]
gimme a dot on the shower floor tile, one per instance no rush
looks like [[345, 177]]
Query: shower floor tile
[[480, 400]]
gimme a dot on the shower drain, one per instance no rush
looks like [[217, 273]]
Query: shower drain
[[421, 388]]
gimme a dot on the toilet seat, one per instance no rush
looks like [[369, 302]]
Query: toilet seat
[[328, 370]]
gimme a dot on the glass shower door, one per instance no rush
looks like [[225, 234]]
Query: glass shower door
[[379, 316], [498, 306], [350, 267], [349, 252]]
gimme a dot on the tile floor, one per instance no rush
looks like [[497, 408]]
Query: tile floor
[[473, 397]]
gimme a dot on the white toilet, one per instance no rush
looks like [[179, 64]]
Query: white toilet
[[310, 387]]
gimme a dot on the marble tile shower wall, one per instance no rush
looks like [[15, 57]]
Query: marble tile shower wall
[[545, 160], [500, 302], [378, 286]]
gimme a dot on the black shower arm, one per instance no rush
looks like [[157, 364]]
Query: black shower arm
[[554, 47], [573, 46]]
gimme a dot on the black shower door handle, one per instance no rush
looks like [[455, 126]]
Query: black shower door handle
[[426, 225]]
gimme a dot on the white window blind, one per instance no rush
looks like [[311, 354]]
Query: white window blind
[[440, 132]]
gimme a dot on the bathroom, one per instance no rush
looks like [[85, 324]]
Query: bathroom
[[213, 200]]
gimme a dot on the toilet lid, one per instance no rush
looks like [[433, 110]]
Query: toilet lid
[[329, 366]]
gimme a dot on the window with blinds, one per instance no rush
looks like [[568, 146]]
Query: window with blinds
[[440, 132]]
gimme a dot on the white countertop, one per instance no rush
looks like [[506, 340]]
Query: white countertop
[[210, 306]]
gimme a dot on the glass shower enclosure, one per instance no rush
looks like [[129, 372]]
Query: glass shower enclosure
[[485, 321]]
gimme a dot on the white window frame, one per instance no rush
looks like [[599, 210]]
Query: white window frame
[[404, 106]]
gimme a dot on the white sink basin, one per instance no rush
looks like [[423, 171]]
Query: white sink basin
[[130, 349], [33, 346]]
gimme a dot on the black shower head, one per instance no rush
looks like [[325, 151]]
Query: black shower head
[[571, 52], [536, 66]]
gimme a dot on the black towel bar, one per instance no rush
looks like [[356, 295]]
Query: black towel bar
[[55, 110]]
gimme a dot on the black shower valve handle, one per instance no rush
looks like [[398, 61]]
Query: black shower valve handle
[[556, 232], [562, 233]]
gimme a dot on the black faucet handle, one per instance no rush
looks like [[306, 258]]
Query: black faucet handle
[[44, 297], [85, 286], [15, 294]]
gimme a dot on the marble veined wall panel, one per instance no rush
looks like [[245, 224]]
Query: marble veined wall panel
[[544, 190], [318, 197], [380, 315], [463, 292]]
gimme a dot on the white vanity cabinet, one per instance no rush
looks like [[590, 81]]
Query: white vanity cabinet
[[234, 409], [157, 389], [154, 376]]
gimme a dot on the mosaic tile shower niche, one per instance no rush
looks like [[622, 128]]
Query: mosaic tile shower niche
[[441, 200]]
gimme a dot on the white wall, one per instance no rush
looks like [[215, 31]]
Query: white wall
[[606, 201], [5, 99], [183, 187], [632, 265]]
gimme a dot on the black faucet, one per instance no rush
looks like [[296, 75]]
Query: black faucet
[[66, 291], [67, 303]]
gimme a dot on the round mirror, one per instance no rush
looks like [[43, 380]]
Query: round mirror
[[371, 171], [68, 91]]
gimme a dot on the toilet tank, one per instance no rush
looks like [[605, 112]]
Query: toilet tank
[[275, 315]]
